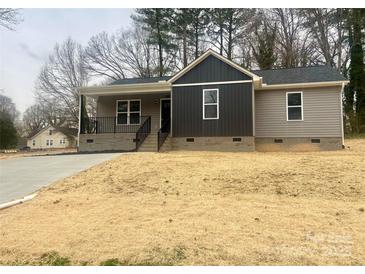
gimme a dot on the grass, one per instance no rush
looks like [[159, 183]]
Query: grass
[[355, 136], [111, 262], [54, 259], [197, 208], [156, 257]]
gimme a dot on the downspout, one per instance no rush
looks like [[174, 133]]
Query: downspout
[[79, 131], [341, 104]]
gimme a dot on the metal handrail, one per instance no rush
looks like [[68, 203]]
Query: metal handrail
[[143, 132], [163, 133]]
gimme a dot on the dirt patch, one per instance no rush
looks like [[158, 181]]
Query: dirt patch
[[198, 208]]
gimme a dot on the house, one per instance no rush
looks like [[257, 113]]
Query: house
[[215, 104], [53, 137]]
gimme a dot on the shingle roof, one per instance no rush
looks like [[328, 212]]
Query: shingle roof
[[140, 80], [69, 132], [299, 75], [34, 133], [270, 76]]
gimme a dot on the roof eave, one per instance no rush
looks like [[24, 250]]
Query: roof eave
[[125, 88], [304, 85]]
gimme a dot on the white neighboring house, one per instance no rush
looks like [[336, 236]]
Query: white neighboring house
[[53, 137]]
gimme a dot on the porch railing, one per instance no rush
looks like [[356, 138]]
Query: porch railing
[[163, 133], [98, 125]]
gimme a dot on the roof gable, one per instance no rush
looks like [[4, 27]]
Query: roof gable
[[37, 132], [212, 67], [68, 132]]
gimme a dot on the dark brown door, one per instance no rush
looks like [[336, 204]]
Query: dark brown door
[[165, 114]]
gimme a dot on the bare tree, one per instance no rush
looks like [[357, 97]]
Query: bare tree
[[244, 55], [103, 56], [9, 18], [64, 71], [33, 118], [292, 38], [321, 24], [7, 106], [128, 53], [140, 58]]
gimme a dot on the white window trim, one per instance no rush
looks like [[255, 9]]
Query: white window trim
[[301, 105], [211, 104], [128, 111]]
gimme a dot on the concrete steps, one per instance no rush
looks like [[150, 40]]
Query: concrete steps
[[166, 146], [149, 144]]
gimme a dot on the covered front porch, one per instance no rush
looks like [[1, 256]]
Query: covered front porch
[[125, 120]]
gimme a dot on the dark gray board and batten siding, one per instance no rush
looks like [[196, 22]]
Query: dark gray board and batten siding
[[212, 69], [235, 111], [235, 102]]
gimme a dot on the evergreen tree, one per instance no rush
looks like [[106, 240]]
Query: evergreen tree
[[8, 133], [158, 22], [355, 97], [199, 23], [228, 26], [181, 27], [264, 47], [217, 26]]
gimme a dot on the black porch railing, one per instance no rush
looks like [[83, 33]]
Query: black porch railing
[[97, 125], [143, 132], [163, 133]]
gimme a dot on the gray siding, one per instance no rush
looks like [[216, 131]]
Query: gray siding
[[321, 113], [235, 111], [212, 69], [150, 106]]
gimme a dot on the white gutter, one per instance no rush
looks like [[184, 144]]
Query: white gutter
[[303, 85]]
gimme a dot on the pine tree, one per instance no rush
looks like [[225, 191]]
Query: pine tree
[[227, 27], [264, 47], [217, 26], [181, 27], [8, 133], [355, 97], [200, 20], [157, 22]]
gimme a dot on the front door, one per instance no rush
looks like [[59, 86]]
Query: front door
[[165, 114]]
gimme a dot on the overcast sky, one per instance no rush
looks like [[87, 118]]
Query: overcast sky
[[22, 52]]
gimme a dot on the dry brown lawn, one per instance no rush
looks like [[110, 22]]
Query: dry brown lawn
[[198, 208]]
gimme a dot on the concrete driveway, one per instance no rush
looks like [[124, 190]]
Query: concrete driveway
[[22, 176]]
